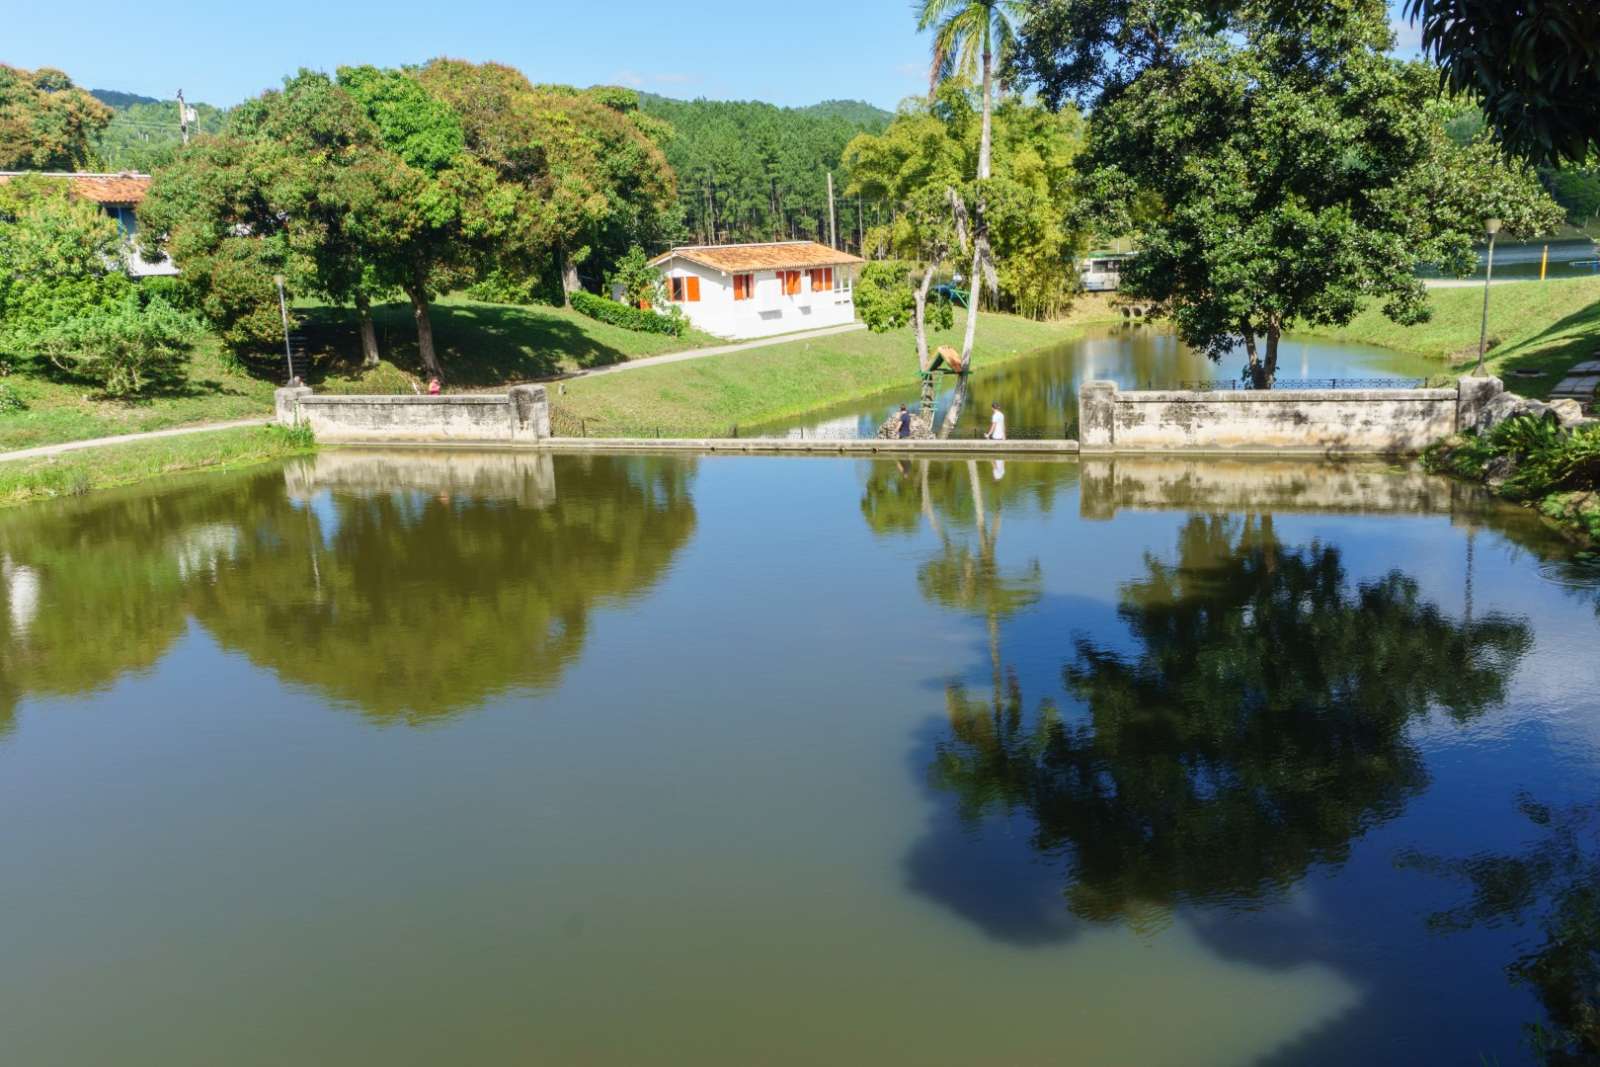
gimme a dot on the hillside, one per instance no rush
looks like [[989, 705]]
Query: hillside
[[144, 131], [750, 171]]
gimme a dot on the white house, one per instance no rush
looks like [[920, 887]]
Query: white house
[[118, 195], [756, 290]]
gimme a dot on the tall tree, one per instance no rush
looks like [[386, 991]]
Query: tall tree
[[1298, 173], [966, 35], [46, 122]]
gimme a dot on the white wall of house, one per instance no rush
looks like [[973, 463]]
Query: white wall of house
[[769, 310]]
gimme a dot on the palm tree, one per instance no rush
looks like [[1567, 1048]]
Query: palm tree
[[966, 35]]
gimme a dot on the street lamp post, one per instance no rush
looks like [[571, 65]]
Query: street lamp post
[[1491, 227], [283, 308]]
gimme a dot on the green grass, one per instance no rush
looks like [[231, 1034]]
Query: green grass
[[77, 473], [60, 408], [1540, 326], [708, 396], [482, 344]]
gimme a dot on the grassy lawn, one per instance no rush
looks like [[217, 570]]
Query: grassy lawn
[[64, 409], [77, 473], [487, 344], [707, 396], [1540, 326]]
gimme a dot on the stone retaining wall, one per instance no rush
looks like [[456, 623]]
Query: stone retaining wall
[[520, 416], [1370, 421]]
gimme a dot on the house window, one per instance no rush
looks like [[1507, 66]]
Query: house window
[[821, 279], [790, 279], [691, 286], [744, 286], [675, 289]]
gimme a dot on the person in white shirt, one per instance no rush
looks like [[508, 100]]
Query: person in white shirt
[[997, 423]]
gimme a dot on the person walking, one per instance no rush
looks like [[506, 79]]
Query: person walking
[[905, 422], [997, 423], [433, 386]]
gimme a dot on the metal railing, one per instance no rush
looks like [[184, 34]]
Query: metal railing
[[1229, 384]]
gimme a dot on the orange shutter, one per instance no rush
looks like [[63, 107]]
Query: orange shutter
[[694, 288]]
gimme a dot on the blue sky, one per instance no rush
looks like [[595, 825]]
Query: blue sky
[[223, 52]]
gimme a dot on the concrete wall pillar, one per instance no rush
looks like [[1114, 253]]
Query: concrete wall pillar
[[1473, 396], [286, 404], [530, 413], [1097, 408]]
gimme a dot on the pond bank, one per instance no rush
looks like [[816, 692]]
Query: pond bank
[[83, 471]]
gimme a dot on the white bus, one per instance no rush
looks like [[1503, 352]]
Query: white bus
[[1101, 272]]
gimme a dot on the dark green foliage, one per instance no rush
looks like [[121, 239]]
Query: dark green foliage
[[1543, 457], [885, 299], [629, 318], [749, 171], [125, 349], [639, 281], [1534, 67], [1576, 189], [59, 259], [10, 400]]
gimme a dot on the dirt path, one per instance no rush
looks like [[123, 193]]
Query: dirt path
[[127, 438], [721, 350]]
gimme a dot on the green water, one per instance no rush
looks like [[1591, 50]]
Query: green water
[[485, 758]]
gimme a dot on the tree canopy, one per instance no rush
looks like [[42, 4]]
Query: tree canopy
[[46, 122]]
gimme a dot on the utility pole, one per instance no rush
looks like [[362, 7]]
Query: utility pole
[[833, 228], [186, 115], [861, 229]]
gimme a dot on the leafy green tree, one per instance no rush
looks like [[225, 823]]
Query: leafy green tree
[[125, 348], [60, 258], [966, 37], [144, 135], [1299, 176], [1533, 67], [641, 284], [46, 122]]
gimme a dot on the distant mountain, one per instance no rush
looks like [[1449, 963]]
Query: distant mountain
[[120, 101]]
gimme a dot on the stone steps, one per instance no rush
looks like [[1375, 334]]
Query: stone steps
[[1580, 383]]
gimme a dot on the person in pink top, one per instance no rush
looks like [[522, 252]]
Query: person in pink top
[[433, 386]]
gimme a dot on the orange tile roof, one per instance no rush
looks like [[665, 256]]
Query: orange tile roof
[[779, 255], [126, 188]]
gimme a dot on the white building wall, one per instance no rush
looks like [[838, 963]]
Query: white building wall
[[768, 311]]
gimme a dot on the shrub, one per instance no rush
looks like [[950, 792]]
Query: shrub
[[383, 380], [10, 401], [124, 349], [629, 318], [505, 287], [638, 280]]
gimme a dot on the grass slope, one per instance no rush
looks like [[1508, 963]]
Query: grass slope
[[708, 396], [1541, 326], [61, 408], [484, 344], [77, 473]]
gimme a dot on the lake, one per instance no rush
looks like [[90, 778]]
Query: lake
[[1039, 393], [488, 758]]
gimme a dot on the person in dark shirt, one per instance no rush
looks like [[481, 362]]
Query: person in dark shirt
[[905, 422]]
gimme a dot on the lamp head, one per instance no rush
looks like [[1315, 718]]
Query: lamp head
[[278, 279], [1491, 226]]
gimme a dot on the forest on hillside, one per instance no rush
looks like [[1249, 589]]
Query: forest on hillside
[[749, 171]]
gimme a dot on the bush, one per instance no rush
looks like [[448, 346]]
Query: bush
[[10, 401], [166, 289], [124, 349], [638, 280], [383, 380], [503, 287], [629, 318]]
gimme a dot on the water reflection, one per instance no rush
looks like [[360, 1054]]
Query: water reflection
[[1254, 725], [1040, 393], [408, 585]]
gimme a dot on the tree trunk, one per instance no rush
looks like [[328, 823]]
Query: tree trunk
[[569, 275], [369, 333], [419, 311], [919, 318], [1253, 364], [980, 242], [1273, 334]]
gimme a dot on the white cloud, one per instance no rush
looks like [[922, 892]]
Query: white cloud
[[629, 78]]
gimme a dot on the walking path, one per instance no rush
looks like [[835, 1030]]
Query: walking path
[[127, 438], [721, 350]]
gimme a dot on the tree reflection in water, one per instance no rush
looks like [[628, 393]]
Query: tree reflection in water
[[403, 599], [1260, 726]]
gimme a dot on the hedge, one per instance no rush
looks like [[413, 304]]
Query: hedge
[[629, 318]]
